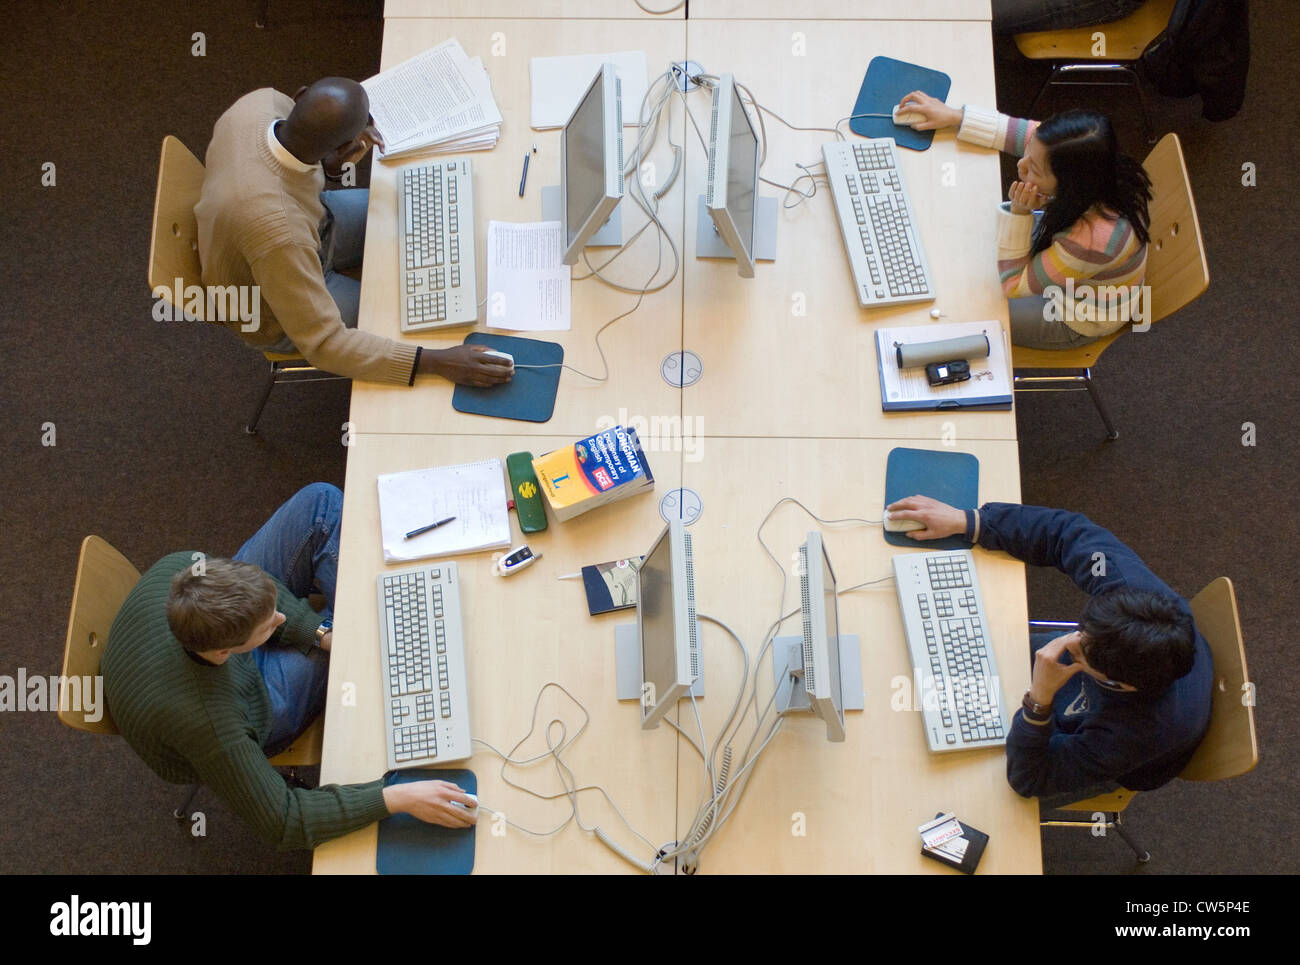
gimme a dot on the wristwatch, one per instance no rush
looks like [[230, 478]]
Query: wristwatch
[[323, 629], [1036, 713]]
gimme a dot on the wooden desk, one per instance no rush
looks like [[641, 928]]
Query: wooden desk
[[751, 431], [537, 9], [635, 346], [861, 800], [809, 362], [519, 635], [875, 10]]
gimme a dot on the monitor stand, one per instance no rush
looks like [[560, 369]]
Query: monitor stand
[[787, 660], [627, 661], [709, 244], [610, 234]]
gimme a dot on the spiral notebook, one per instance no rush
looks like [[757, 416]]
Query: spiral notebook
[[474, 493]]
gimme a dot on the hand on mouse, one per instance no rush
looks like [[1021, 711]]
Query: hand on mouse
[[431, 801], [937, 114], [467, 365], [940, 519]]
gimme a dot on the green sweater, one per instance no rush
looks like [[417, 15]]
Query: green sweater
[[192, 722]]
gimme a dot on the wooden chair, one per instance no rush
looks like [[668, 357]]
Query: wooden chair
[[104, 580], [174, 254], [1176, 274], [1073, 59], [1230, 747]]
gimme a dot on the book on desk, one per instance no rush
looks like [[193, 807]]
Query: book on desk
[[904, 389]]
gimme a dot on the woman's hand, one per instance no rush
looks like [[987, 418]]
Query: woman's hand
[[1025, 197], [937, 114]]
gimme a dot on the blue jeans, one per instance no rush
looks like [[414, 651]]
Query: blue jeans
[[1018, 16], [342, 243], [1030, 327], [299, 546]]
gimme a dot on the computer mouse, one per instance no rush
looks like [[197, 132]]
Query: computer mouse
[[901, 525], [905, 117], [502, 355], [467, 807]]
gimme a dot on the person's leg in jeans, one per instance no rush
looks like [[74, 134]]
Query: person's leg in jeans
[[1031, 328], [343, 241], [1020, 16], [299, 546]]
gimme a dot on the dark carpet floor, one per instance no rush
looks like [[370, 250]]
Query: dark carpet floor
[[149, 452]]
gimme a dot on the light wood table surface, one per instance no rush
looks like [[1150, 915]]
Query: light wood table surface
[[784, 409], [840, 10], [858, 803], [636, 345], [540, 9], [520, 633], [790, 352]]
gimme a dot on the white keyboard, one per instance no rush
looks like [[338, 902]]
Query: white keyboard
[[435, 208], [955, 673], [875, 216], [426, 707]]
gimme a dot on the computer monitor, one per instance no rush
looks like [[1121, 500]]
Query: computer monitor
[[733, 174], [821, 637], [591, 162], [665, 621]]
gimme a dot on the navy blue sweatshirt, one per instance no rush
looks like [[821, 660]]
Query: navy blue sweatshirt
[[1139, 740]]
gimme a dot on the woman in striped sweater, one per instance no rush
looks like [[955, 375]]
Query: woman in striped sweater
[[1073, 272]]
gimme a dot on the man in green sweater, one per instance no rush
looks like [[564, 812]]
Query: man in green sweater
[[214, 665], [263, 221]]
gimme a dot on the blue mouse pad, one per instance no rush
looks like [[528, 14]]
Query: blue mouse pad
[[409, 846], [530, 395], [950, 477], [887, 82]]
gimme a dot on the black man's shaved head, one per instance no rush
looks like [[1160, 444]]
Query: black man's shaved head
[[329, 113]]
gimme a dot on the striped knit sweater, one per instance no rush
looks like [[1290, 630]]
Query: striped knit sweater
[[191, 722], [258, 225], [1100, 260]]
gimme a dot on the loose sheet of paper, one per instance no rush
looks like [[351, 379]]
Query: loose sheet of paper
[[559, 82], [528, 285], [474, 493]]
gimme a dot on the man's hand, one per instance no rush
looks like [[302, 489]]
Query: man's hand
[[1025, 197], [940, 519], [466, 365], [351, 152], [1050, 674], [937, 114], [430, 801]]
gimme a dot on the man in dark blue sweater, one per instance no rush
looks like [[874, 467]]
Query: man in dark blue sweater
[[1123, 701]]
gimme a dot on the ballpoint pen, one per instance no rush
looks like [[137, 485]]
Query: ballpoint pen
[[424, 529]]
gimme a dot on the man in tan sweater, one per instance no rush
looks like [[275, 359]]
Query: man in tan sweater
[[263, 221]]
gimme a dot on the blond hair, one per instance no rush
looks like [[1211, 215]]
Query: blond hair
[[219, 606]]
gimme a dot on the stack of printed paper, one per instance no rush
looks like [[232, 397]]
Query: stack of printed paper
[[438, 102]]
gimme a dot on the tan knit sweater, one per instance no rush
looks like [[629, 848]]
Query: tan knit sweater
[[258, 225]]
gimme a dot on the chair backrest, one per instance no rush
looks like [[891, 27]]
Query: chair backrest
[[1125, 39], [1176, 267], [174, 240], [104, 579], [1229, 747]]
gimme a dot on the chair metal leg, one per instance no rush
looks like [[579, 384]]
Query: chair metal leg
[[1111, 432], [251, 427], [1033, 108], [182, 813], [1142, 854], [262, 6], [1146, 114]]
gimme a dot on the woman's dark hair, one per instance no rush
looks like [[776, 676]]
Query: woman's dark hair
[[1138, 637], [1085, 159]]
